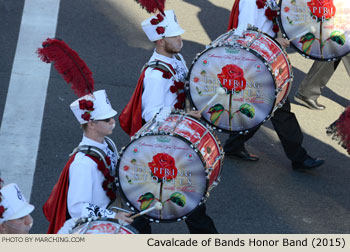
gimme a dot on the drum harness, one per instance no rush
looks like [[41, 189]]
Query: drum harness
[[97, 152]]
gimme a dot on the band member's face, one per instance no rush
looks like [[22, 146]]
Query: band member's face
[[105, 127], [19, 226], [173, 44]]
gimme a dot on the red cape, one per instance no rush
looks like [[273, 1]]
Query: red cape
[[233, 21], [55, 208], [130, 118]]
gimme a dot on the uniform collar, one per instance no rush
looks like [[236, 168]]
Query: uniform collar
[[88, 141], [162, 57]]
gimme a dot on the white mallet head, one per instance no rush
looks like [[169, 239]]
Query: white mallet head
[[158, 206]]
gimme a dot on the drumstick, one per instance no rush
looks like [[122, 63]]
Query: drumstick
[[219, 91], [312, 29], [157, 206]]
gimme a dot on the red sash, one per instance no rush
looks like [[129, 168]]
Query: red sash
[[233, 21]]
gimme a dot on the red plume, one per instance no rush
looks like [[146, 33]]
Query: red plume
[[68, 63], [340, 129], [152, 6]]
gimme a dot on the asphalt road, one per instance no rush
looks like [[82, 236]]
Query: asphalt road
[[262, 197]]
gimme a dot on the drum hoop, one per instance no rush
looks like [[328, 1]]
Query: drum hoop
[[279, 20], [264, 61], [207, 186]]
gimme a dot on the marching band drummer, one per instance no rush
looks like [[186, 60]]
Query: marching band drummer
[[261, 13], [161, 85], [86, 185]]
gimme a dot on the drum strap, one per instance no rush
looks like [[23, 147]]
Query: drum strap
[[160, 65], [96, 152]]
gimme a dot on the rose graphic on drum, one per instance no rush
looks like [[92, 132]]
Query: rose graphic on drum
[[163, 167], [232, 78], [318, 29], [322, 9]]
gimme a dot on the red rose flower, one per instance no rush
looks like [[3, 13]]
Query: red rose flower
[[260, 3], [154, 21], [178, 105], [111, 194], [105, 185], [181, 97], [275, 28], [160, 30], [160, 18], [82, 104], [2, 210], [179, 84], [232, 78], [126, 168], [167, 75], [86, 116], [89, 106], [110, 178], [108, 160], [173, 89], [322, 8], [270, 14], [163, 166]]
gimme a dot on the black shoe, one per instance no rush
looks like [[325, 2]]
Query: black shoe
[[307, 102], [243, 154], [308, 164]]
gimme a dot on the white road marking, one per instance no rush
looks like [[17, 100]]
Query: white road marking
[[23, 114]]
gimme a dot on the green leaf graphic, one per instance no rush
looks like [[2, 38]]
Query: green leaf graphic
[[247, 110], [178, 198], [146, 200], [338, 37]]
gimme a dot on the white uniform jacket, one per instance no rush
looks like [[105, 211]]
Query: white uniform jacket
[[156, 89], [250, 14], [86, 197]]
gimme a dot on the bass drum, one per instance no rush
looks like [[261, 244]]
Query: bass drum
[[254, 71], [100, 226], [174, 160], [317, 29]]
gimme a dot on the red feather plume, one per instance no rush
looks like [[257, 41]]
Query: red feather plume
[[152, 6], [68, 63], [340, 129]]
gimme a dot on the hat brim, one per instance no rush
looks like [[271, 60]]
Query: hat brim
[[23, 212], [110, 114]]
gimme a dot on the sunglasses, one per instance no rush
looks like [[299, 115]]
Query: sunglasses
[[106, 120]]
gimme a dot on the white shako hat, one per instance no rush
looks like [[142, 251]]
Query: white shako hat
[[14, 203], [92, 107], [159, 26]]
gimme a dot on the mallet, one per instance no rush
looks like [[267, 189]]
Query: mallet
[[157, 206], [312, 29], [219, 91]]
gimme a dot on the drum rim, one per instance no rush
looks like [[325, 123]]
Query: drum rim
[[279, 19], [84, 220], [188, 93], [207, 186]]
